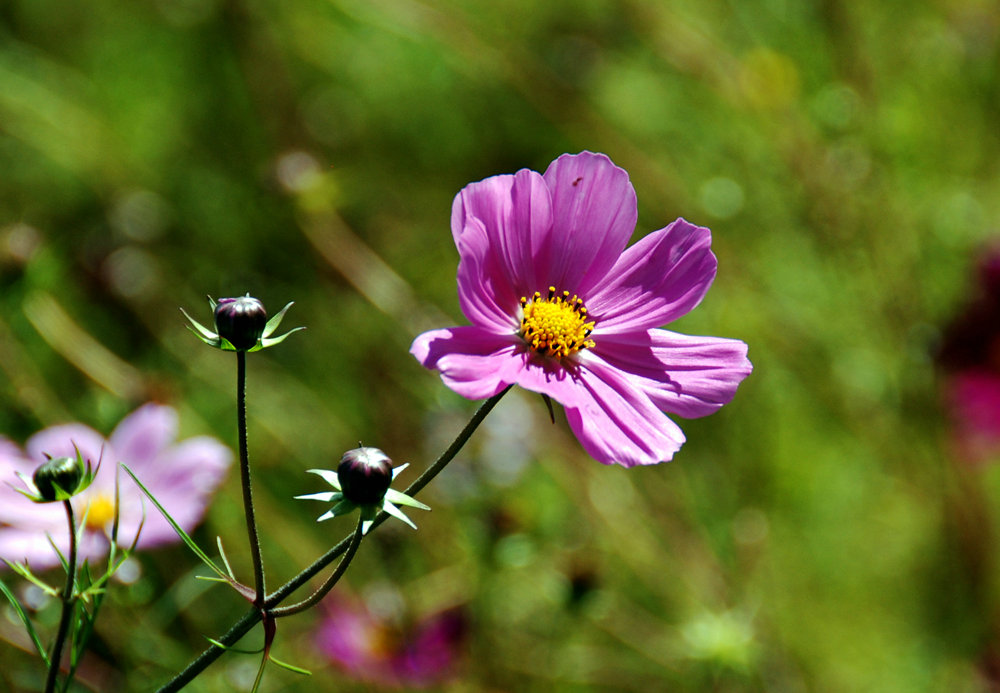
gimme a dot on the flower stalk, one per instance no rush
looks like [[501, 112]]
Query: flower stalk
[[67, 604], [248, 509], [316, 596]]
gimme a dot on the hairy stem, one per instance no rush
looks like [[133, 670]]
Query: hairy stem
[[249, 619], [67, 604], [241, 415]]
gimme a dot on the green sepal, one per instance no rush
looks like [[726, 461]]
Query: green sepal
[[395, 512], [271, 325], [403, 499], [265, 343], [203, 333], [342, 508]]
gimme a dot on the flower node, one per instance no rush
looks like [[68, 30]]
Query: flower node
[[555, 325], [62, 472], [365, 475], [240, 320]]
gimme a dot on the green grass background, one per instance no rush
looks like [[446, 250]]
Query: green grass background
[[815, 535]]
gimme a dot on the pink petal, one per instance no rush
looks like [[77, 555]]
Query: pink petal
[[485, 294], [58, 441], [619, 424], [488, 200], [657, 280], [19, 545], [684, 375], [613, 420], [593, 216], [473, 362], [183, 479], [144, 433], [515, 213]]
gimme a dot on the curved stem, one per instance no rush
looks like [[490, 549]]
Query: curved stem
[[67, 606], [241, 414], [249, 619], [314, 598]]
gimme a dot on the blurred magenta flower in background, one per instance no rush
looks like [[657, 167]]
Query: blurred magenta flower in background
[[559, 306], [970, 356], [182, 476], [379, 650]]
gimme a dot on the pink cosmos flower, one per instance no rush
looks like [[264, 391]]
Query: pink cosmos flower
[[376, 650], [559, 306], [182, 476]]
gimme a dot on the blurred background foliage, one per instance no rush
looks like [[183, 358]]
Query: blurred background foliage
[[815, 535]]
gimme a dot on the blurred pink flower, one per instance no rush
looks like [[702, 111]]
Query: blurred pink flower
[[969, 354], [973, 398], [559, 306], [182, 476], [378, 651]]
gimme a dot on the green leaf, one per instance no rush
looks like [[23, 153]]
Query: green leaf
[[24, 571], [177, 528], [232, 649], [222, 553], [286, 665], [27, 622]]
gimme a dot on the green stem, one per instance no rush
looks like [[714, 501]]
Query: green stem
[[67, 604], [250, 619], [316, 596], [241, 413]]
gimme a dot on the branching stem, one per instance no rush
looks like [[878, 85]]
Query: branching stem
[[252, 617]]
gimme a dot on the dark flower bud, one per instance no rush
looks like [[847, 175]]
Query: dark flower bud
[[365, 475], [64, 472], [240, 320]]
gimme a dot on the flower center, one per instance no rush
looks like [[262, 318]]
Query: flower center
[[100, 513], [556, 325]]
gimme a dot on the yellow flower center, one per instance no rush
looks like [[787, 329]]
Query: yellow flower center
[[555, 325], [100, 513]]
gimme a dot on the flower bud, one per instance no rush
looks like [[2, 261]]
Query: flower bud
[[64, 472], [364, 475], [241, 321]]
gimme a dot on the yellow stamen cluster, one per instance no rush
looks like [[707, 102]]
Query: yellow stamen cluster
[[100, 513], [555, 325]]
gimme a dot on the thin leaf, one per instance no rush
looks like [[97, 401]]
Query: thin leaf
[[222, 552], [177, 528], [286, 665], [26, 621], [24, 571], [232, 649]]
